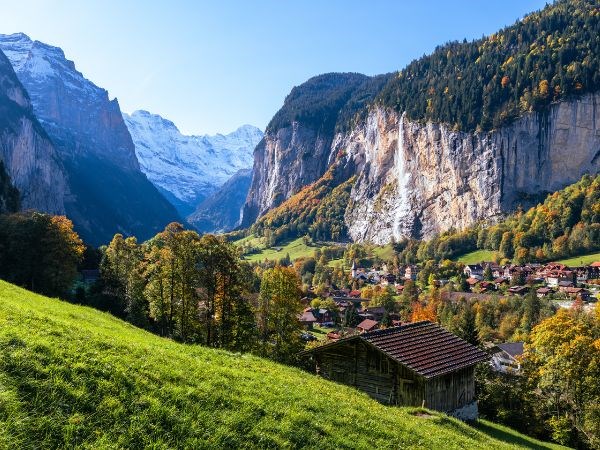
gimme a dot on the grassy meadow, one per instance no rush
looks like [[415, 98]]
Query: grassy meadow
[[73, 377]]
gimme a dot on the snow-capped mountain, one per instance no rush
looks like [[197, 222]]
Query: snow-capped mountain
[[187, 169], [108, 193]]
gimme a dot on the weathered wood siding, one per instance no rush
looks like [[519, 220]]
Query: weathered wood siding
[[369, 370], [451, 391], [360, 365]]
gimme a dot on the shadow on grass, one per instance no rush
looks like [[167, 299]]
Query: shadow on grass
[[508, 437]]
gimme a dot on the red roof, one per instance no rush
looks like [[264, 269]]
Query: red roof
[[426, 348], [367, 325], [307, 317], [595, 264]]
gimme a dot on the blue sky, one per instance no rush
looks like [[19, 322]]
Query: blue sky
[[212, 66]]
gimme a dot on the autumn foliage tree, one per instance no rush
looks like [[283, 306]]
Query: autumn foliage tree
[[563, 364], [39, 252], [278, 310]]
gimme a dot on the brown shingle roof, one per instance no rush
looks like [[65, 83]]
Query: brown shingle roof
[[367, 324], [426, 348]]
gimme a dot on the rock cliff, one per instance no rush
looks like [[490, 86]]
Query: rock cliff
[[108, 193], [420, 179], [28, 156], [284, 162]]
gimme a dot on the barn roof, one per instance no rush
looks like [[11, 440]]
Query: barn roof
[[424, 347]]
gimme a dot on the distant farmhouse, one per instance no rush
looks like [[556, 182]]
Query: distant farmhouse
[[417, 364], [506, 357]]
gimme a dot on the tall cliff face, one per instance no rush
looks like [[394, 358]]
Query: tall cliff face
[[416, 180], [27, 155], [285, 161], [108, 191], [295, 150]]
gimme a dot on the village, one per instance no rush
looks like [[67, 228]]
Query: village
[[343, 313]]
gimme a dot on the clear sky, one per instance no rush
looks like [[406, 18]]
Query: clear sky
[[212, 66]]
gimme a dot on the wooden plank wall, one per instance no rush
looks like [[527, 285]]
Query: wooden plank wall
[[451, 391]]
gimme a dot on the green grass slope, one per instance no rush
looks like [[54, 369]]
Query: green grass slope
[[477, 256], [73, 377], [581, 260], [295, 248]]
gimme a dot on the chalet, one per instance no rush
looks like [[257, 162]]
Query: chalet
[[472, 281], [416, 364], [577, 293], [506, 357], [555, 277], [356, 301], [500, 281], [411, 271], [324, 316], [487, 286], [563, 286], [496, 270], [307, 319], [474, 271], [367, 325], [375, 312], [544, 292], [518, 290]]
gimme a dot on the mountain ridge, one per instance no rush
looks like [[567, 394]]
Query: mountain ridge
[[86, 126], [188, 169], [417, 176]]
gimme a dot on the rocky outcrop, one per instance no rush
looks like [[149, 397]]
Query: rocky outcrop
[[28, 156], [284, 162], [296, 148], [418, 179], [415, 180], [108, 193]]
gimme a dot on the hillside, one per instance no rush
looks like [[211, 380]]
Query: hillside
[[72, 376], [469, 133]]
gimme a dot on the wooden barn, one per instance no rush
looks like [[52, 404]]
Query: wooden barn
[[415, 364]]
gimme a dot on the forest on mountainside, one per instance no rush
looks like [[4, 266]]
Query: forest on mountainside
[[328, 102], [566, 223], [550, 55]]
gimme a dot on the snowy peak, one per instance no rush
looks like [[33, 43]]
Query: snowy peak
[[188, 168], [41, 62]]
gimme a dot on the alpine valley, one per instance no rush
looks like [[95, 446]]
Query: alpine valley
[[404, 260]]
